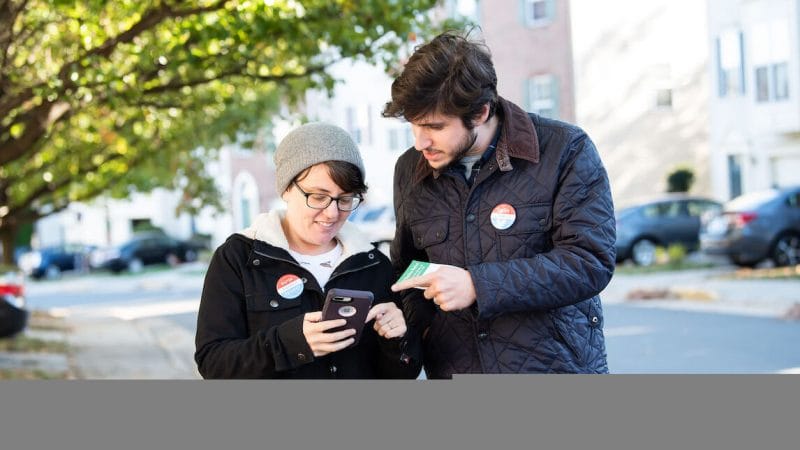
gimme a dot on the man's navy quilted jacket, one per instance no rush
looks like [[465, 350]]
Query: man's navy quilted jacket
[[537, 281]]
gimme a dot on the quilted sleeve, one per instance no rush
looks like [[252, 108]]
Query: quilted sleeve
[[582, 259]]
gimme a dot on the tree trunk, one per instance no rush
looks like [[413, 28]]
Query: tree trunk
[[7, 234]]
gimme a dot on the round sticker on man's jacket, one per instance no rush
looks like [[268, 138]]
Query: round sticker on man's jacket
[[290, 286], [503, 216]]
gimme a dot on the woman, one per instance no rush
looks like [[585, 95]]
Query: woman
[[260, 311]]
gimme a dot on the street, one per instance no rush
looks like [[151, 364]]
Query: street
[[641, 337], [655, 340]]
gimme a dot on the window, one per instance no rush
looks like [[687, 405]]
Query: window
[[762, 84], [772, 82], [735, 175], [244, 207], [394, 141], [543, 96], [730, 63], [662, 210], [538, 12], [794, 200], [352, 124], [245, 200], [401, 138], [697, 208], [660, 77], [664, 98], [780, 79], [770, 49]]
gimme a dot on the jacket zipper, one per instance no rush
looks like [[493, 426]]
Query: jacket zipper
[[333, 275]]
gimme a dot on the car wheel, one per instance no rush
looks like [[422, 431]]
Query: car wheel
[[786, 251], [643, 252], [136, 265], [52, 272], [172, 259], [190, 256]]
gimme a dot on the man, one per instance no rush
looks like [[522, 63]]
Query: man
[[516, 209]]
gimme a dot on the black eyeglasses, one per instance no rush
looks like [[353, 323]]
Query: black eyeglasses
[[322, 201]]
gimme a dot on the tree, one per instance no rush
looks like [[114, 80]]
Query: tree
[[108, 97], [680, 179]]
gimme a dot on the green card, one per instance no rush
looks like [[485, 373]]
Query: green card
[[417, 268]]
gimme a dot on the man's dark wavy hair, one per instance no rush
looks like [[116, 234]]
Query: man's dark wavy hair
[[450, 75]]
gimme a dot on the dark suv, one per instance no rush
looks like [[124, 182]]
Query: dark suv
[[755, 227], [672, 219], [144, 250]]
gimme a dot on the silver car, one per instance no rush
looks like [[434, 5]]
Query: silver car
[[755, 227]]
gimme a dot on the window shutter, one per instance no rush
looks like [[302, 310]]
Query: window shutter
[[743, 83], [551, 9], [722, 85]]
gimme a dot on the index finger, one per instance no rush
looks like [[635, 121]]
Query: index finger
[[379, 309], [421, 281], [374, 311]]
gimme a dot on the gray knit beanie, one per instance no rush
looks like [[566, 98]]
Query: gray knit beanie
[[311, 144]]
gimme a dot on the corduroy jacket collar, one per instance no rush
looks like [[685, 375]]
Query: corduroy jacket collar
[[518, 139]]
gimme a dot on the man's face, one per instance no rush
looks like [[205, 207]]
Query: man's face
[[442, 139]]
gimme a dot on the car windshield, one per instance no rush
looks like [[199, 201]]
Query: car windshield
[[751, 201]]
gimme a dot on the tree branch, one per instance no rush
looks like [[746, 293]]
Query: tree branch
[[36, 121], [8, 102], [176, 85], [148, 21], [49, 188]]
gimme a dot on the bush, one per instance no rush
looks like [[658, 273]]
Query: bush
[[680, 180]]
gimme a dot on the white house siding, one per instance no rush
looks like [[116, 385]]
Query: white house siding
[[764, 136], [625, 52]]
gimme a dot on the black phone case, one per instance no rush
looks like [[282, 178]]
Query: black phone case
[[360, 302]]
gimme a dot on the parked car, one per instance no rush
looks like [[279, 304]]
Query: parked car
[[49, 262], [755, 227], [672, 219], [13, 315], [143, 250], [377, 222]]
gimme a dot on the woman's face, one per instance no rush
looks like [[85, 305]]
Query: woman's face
[[311, 231]]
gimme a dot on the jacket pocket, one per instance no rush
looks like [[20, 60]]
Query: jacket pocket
[[266, 309], [575, 329], [429, 232], [528, 235]]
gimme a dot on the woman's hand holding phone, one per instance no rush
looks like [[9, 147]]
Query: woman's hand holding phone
[[389, 320], [320, 340]]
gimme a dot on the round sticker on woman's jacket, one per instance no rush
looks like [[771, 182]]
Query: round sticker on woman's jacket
[[290, 286], [503, 216]]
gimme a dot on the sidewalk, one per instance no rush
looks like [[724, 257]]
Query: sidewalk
[[107, 347], [708, 290]]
